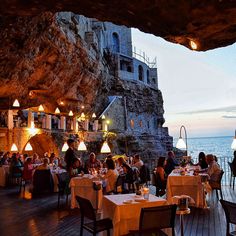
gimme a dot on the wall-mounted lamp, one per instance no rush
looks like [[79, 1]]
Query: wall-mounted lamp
[[82, 146], [64, 147], [181, 144], [41, 108], [94, 115], [57, 111], [105, 148], [14, 148], [16, 103], [28, 147]]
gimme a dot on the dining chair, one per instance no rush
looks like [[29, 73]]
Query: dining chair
[[160, 188], [94, 226], [230, 214], [154, 219], [216, 185], [232, 174], [63, 186], [120, 185]]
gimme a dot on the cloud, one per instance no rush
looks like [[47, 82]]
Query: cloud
[[229, 117], [213, 110]]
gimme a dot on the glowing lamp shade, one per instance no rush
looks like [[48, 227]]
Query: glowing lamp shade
[[57, 111], [82, 146], [71, 113], [93, 115], [64, 147], [105, 148], [103, 117], [181, 144], [233, 145], [28, 147], [41, 108], [16, 103], [14, 148]]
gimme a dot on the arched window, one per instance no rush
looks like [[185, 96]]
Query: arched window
[[148, 79], [116, 42], [140, 73], [132, 124]]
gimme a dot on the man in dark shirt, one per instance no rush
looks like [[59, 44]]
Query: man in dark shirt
[[70, 154], [170, 163]]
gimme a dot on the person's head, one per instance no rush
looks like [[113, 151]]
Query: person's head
[[25, 156], [215, 158], [110, 164], [76, 163], [201, 157], [136, 158], [92, 157], [161, 162], [170, 154], [45, 161], [120, 161], [35, 156], [29, 160], [209, 158], [71, 142], [109, 156], [14, 158]]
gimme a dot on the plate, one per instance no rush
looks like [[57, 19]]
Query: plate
[[140, 200], [127, 201]]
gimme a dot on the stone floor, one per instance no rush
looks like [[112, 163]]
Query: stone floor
[[40, 216]]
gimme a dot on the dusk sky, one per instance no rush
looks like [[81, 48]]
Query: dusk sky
[[199, 88]]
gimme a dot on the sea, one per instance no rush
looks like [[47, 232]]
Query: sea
[[218, 146]]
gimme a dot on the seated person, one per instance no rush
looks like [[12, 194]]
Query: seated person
[[36, 159], [93, 162], [202, 161], [15, 166], [170, 163], [77, 168], [28, 169], [137, 162], [45, 165], [161, 175], [213, 168], [111, 176]]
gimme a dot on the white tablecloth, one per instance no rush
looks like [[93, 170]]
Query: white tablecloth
[[4, 171], [83, 187], [125, 217], [55, 179], [186, 185]]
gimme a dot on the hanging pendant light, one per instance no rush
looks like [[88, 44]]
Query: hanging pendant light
[[82, 115], [105, 148], [82, 146], [57, 111], [103, 117], [233, 145], [181, 144], [71, 113], [28, 147], [64, 147], [41, 108], [14, 148], [16, 103]]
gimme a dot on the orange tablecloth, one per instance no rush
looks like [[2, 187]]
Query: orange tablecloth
[[125, 217]]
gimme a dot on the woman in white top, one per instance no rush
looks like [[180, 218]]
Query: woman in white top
[[111, 176]]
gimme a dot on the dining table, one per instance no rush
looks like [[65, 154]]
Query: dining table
[[124, 210], [187, 183], [86, 186]]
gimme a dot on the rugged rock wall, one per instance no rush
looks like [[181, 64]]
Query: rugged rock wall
[[43, 60], [209, 24], [41, 63]]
